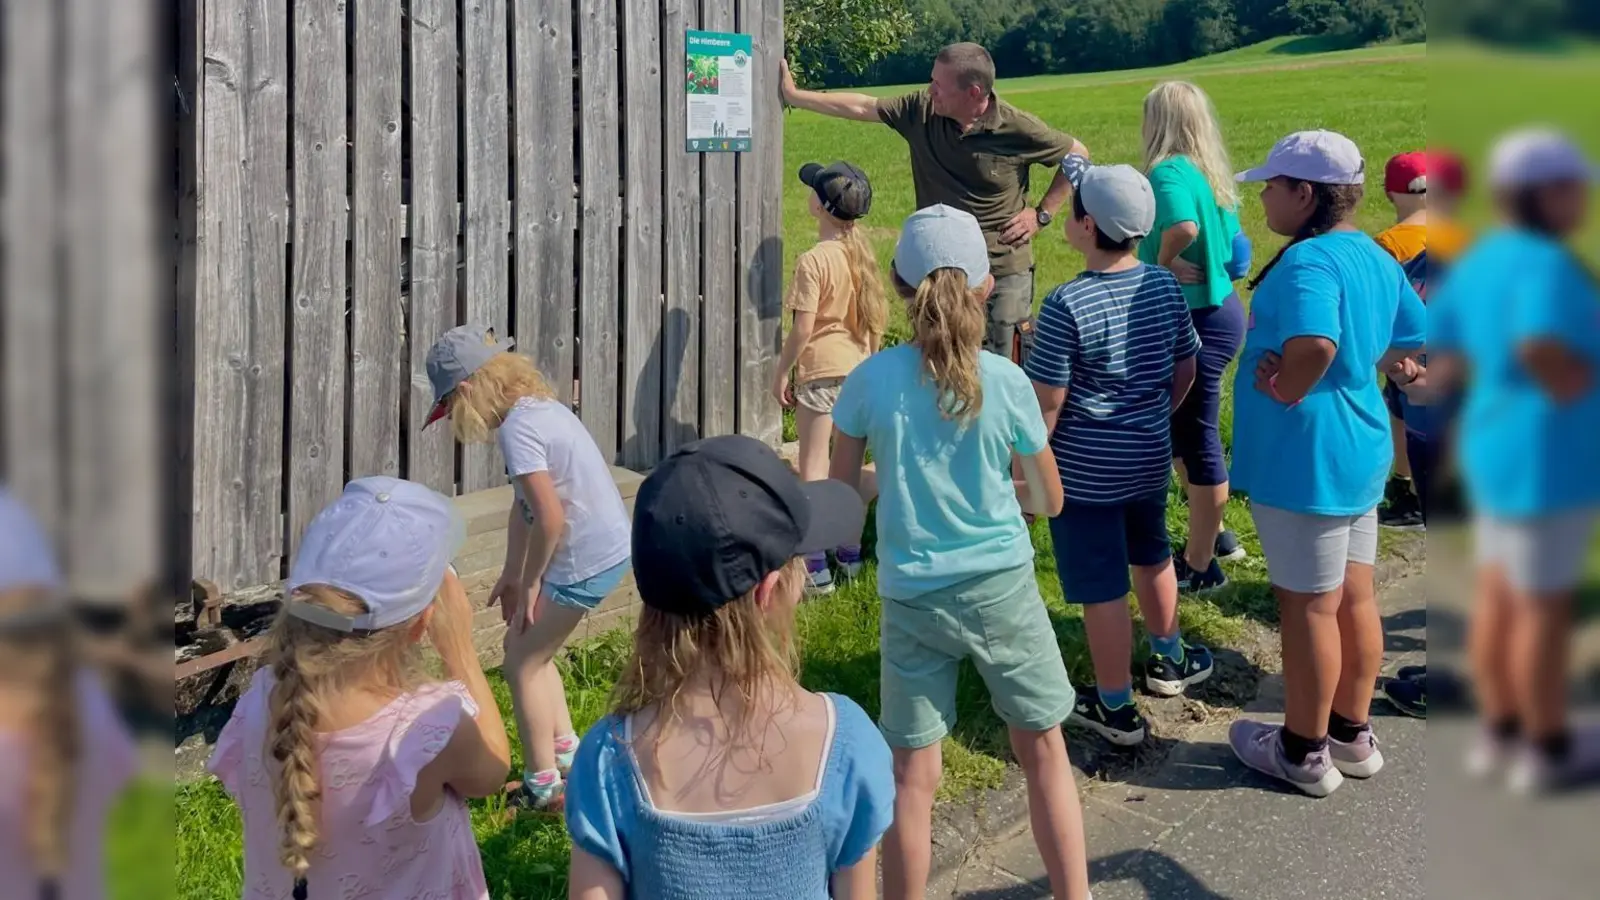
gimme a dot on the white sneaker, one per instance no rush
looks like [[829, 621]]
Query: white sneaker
[[1488, 754]]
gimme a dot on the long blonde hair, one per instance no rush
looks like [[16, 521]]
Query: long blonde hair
[[1179, 120], [870, 312], [40, 660], [310, 664], [947, 323], [491, 392], [739, 647]]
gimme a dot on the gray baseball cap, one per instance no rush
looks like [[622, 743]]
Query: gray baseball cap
[[1118, 197], [941, 237], [455, 357]]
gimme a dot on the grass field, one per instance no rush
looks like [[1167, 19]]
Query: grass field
[[1379, 97]]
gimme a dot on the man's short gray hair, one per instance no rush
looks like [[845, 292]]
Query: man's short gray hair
[[973, 64]]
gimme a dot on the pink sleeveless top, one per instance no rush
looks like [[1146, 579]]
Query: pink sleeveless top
[[368, 846], [108, 761]]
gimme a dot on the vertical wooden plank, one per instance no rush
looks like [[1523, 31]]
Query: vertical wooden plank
[[483, 25], [680, 332], [33, 405], [180, 379], [598, 313], [240, 302], [318, 289], [761, 229], [642, 344], [377, 324], [434, 228], [719, 309], [109, 347], [546, 224]]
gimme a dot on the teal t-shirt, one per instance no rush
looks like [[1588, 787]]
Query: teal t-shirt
[[1522, 453], [1330, 454], [1184, 195], [947, 507]]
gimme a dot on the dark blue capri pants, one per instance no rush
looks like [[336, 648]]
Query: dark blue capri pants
[[1195, 436]]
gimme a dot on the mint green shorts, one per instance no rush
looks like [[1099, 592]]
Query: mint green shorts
[[1000, 623]]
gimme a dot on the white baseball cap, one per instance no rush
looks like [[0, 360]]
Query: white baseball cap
[[385, 540], [1325, 157], [1536, 156], [941, 237]]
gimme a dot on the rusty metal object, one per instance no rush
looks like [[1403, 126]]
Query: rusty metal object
[[207, 599], [232, 653]]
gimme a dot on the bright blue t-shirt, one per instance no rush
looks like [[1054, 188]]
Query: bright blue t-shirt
[[1329, 454], [1112, 339], [665, 857], [1521, 453], [947, 507]]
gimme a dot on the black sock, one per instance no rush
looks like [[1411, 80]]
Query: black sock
[[1506, 729], [1343, 730], [1556, 747], [1297, 748]]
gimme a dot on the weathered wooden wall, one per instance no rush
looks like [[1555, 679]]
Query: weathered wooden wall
[[86, 286], [365, 175]]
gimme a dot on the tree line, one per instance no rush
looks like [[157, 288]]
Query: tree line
[[845, 43]]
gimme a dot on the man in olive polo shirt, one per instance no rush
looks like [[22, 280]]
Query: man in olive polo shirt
[[973, 151]]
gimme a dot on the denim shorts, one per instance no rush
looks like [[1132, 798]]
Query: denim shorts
[[590, 592]]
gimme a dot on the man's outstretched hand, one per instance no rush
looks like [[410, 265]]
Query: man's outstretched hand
[[786, 86]]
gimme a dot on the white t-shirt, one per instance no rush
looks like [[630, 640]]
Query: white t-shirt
[[544, 436]]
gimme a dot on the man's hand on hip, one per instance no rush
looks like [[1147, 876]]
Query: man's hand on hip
[[1022, 227]]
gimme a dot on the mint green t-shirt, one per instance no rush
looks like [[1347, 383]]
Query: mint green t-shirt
[[1184, 195]]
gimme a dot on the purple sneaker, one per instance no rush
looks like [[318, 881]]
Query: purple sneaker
[[819, 578], [1260, 746], [849, 558], [1359, 758]]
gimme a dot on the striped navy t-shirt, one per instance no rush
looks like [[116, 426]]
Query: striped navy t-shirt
[[1112, 339]]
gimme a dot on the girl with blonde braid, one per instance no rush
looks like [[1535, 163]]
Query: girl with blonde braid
[[65, 756], [349, 766]]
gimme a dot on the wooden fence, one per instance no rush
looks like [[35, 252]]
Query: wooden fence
[[361, 176]]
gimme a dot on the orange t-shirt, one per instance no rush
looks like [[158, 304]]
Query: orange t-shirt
[[1446, 239], [1403, 242], [824, 285]]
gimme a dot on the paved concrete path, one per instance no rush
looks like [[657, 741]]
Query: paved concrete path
[[1200, 825]]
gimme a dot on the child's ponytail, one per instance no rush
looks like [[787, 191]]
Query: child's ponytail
[[1334, 203], [948, 324], [871, 309], [53, 760], [308, 661]]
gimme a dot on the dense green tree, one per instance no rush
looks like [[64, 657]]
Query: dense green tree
[[842, 35]]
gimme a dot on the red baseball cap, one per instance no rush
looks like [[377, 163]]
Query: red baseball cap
[[1407, 173], [1448, 170]]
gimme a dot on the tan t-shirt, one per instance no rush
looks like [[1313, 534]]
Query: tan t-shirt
[[823, 285]]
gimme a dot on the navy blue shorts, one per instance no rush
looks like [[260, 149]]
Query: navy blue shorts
[[1095, 545]]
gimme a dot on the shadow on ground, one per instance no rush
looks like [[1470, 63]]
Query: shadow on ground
[[1157, 873]]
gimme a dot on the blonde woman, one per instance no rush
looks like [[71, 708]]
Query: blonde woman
[[717, 775], [347, 762], [1196, 224], [567, 535]]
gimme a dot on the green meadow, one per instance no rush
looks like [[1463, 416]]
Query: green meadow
[[1380, 97]]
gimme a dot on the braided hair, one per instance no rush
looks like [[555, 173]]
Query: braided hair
[[1331, 204]]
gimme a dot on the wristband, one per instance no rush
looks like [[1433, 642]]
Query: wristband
[[1272, 388]]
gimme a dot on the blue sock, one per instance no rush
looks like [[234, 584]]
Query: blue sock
[[1170, 647], [1115, 699]]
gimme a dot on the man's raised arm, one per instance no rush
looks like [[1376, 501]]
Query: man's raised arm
[[860, 107]]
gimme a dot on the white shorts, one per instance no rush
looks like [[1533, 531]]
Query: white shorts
[[1308, 553], [1544, 554]]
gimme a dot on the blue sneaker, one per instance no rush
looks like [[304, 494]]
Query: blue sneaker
[[1168, 678]]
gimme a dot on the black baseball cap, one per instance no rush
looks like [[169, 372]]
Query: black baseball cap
[[723, 513], [843, 189]]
